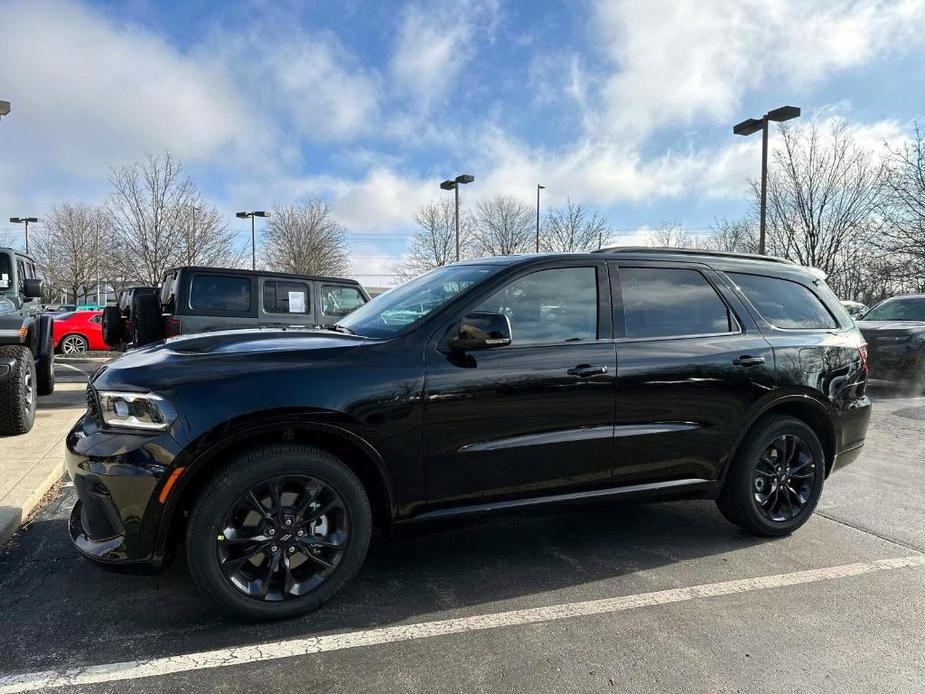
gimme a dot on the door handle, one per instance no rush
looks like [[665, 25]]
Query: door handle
[[586, 370], [748, 360]]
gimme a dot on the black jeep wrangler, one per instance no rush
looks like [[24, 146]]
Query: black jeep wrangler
[[27, 357], [206, 299]]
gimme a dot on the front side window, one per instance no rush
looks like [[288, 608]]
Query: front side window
[[898, 309], [391, 313], [557, 305], [6, 273], [220, 293], [668, 302], [784, 303], [286, 297], [339, 301]]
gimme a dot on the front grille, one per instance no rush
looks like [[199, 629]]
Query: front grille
[[93, 405]]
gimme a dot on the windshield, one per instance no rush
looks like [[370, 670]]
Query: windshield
[[898, 309], [392, 312]]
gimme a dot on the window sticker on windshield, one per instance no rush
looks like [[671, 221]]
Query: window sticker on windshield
[[296, 302], [4, 281]]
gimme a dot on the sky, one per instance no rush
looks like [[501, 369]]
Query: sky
[[623, 106]]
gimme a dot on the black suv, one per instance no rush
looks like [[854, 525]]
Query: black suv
[[484, 385], [204, 299]]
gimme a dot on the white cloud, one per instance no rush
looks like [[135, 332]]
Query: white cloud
[[673, 61], [87, 92], [434, 44]]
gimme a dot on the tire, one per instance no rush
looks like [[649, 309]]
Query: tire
[[45, 374], [18, 392], [148, 319], [113, 333], [209, 540], [754, 473], [73, 344]]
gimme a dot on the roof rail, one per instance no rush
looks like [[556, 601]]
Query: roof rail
[[691, 251]]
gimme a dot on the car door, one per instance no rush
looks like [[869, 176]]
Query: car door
[[690, 364], [533, 417]]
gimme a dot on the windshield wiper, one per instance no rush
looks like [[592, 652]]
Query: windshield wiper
[[338, 328]]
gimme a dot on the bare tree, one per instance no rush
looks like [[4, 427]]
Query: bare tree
[[823, 194], [670, 235], [732, 236], [147, 205], [68, 245], [433, 243], [904, 207], [570, 230], [203, 238], [503, 226], [305, 240]]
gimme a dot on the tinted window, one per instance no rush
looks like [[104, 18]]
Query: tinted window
[[286, 297], [6, 272], [663, 302], [549, 306], [339, 301], [784, 304], [898, 309], [220, 293]]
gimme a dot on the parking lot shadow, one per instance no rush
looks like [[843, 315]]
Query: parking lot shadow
[[81, 613]]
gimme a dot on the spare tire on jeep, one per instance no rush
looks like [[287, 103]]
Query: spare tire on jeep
[[147, 319], [113, 332]]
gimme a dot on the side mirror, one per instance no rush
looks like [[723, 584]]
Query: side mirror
[[481, 330], [32, 288]]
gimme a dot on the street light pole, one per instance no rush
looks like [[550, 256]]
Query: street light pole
[[245, 215], [454, 186], [753, 125], [538, 189], [25, 221]]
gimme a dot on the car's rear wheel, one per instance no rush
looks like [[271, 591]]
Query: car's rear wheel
[[278, 532], [775, 479], [18, 392], [73, 344]]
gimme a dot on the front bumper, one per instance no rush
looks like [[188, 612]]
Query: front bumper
[[117, 476]]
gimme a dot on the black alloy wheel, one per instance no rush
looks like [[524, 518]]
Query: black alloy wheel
[[283, 537], [784, 478], [776, 477], [278, 531]]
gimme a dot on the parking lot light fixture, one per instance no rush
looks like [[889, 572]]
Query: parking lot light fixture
[[4, 108], [453, 185], [26, 221], [245, 215], [749, 127]]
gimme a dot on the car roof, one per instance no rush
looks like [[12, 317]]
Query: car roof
[[7, 249], [719, 260], [262, 273], [904, 296]]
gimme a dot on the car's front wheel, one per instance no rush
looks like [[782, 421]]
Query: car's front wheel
[[18, 392], [278, 532], [74, 344], [775, 479]]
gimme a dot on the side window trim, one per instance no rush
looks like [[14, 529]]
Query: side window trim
[[704, 271]]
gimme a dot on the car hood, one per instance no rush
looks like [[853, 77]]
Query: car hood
[[891, 326], [213, 356]]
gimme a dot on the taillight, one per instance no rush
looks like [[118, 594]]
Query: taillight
[[862, 350], [173, 327]]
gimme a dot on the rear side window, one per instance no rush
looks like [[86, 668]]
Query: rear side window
[[668, 302], [220, 293], [286, 297], [783, 303], [339, 301]]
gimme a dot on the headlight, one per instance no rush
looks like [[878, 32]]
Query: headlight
[[136, 410]]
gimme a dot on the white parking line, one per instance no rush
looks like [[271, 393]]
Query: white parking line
[[72, 367], [241, 655]]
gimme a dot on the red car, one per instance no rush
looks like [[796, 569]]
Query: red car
[[79, 331]]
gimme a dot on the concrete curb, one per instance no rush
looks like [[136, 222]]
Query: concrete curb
[[12, 517]]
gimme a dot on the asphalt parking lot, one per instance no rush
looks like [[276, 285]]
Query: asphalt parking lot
[[663, 597]]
